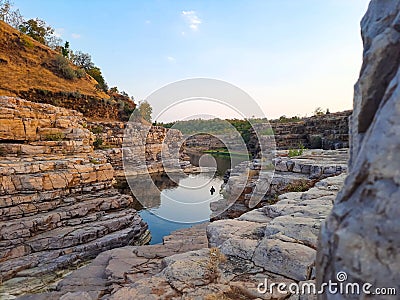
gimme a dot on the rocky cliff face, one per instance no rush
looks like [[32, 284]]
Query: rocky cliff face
[[202, 142], [329, 131], [361, 235], [57, 204], [159, 141]]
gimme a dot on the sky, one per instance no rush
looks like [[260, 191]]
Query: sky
[[290, 56]]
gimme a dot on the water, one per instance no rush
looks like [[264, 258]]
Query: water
[[182, 203], [182, 206], [224, 162]]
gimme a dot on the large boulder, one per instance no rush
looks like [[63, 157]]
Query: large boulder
[[361, 235]]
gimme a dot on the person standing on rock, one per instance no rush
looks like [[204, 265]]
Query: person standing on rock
[[212, 190]]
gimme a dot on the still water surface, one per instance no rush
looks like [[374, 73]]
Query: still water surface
[[185, 202]]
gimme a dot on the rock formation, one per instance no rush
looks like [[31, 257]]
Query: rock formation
[[290, 175], [57, 204], [361, 235], [157, 142], [328, 131], [276, 243], [113, 268]]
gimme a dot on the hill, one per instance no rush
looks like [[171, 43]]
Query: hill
[[28, 70]]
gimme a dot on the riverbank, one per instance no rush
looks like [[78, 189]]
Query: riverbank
[[276, 242]]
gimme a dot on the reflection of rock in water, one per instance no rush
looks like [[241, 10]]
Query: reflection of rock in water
[[223, 161], [144, 189]]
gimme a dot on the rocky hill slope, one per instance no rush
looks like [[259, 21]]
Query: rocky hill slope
[[27, 70]]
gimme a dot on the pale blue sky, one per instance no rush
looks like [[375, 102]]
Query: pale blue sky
[[291, 56]]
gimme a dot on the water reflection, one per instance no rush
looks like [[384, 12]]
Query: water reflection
[[183, 202], [180, 206], [224, 162]]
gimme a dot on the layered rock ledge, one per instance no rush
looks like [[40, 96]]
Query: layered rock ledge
[[57, 204], [267, 181], [276, 243], [148, 148]]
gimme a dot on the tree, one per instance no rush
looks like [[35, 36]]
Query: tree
[[12, 17], [54, 42], [83, 60], [95, 72], [38, 30], [65, 51], [145, 110], [5, 9], [114, 89]]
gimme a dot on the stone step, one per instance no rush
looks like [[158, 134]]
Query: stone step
[[31, 204], [62, 177], [25, 269], [12, 231]]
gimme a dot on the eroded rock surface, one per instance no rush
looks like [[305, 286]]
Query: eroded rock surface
[[276, 243], [115, 270], [249, 183], [361, 235], [327, 131], [148, 149], [57, 204]]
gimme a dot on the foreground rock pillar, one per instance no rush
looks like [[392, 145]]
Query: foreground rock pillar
[[361, 237]]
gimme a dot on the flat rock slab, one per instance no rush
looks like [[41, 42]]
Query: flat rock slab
[[275, 242]]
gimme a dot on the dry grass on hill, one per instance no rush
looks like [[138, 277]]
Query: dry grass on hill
[[29, 70], [26, 64]]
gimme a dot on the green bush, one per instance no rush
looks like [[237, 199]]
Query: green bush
[[63, 67], [94, 161], [54, 137], [296, 152], [96, 129], [95, 72], [284, 119], [97, 144], [80, 73]]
